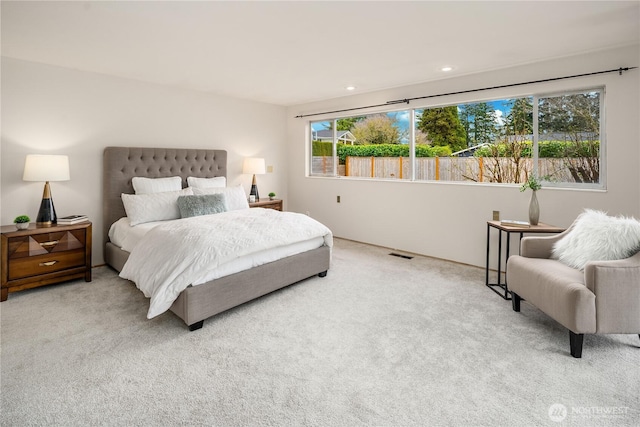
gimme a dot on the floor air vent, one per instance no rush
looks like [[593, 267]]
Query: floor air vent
[[401, 255]]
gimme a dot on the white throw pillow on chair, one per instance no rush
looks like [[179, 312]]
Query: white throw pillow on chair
[[595, 236]]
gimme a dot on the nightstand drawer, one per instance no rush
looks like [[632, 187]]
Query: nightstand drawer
[[45, 243], [35, 265]]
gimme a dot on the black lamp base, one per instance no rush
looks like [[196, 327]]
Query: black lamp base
[[254, 192], [47, 214]]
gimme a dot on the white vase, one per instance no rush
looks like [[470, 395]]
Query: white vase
[[534, 209], [22, 225]]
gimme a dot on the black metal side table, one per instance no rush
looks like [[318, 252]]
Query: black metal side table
[[500, 287]]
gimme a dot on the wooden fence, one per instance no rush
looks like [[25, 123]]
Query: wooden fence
[[478, 169]]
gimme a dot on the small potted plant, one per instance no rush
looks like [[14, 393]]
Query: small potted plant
[[272, 195], [22, 222]]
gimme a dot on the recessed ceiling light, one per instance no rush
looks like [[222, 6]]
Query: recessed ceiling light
[[447, 68], [350, 87]]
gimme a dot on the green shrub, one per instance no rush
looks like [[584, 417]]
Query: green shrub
[[389, 150], [547, 149], [321, 148], [324, 148]]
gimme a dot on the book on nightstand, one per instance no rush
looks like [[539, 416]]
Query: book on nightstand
[[514, 223], [72, 219]]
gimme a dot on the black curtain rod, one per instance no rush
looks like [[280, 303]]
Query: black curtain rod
[[408, 100]]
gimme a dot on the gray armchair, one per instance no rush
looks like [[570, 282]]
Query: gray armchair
[[602, 299]]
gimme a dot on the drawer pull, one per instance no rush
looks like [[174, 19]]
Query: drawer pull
[[47, 264], [50, 243]]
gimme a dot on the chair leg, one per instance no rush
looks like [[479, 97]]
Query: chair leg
[[575, 342], [515, 301]]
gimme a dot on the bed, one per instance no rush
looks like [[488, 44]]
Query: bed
[[196, 303]]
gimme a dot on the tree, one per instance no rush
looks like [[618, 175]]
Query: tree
[[443, 128], [480, 123], [507, 161], [576, 119], [376, 129], [344, 124], [484, 124], [575, 114], [421, 138], [519, 121], [348, 122], [465, 120]]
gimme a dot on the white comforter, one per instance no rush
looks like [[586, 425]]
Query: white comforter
[[172, 256]]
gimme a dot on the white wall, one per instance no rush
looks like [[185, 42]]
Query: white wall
[[55, 110], [448, 220]]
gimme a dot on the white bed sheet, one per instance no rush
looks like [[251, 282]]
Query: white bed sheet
[[125, 236]]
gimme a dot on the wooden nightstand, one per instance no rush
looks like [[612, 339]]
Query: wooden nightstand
[[41, 256], [266, 203]]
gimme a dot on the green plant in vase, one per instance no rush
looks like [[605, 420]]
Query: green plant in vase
[[533, 183]]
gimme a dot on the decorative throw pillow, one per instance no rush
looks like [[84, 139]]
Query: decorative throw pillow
[[141, 208], [143, 185], [205, 204], [235, 196], [598, 237], [217, 182]]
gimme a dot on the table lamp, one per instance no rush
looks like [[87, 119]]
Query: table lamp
[[255, 166], [45, 167]]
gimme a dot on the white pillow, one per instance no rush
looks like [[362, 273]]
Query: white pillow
[[234, 196], [217, 182], [141, 208], [598, 237], [156, 185]]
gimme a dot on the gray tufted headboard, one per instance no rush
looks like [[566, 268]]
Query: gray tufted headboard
[[120, 164]]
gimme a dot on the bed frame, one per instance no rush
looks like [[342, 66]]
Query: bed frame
[[196, 303]]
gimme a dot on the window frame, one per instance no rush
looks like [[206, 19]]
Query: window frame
[[601, 185]]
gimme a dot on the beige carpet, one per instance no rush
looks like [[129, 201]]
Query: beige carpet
[[380, 341]]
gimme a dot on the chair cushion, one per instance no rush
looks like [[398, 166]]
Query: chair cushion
[[556, 289], [598, 237]]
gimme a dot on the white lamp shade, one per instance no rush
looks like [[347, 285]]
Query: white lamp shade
[[46, 167], [254, 165]]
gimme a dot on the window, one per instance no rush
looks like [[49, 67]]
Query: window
[[556, 137], [568, 138], [322, 148], [371, 146]]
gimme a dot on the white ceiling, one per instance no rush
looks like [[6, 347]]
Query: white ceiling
[[288, 53]]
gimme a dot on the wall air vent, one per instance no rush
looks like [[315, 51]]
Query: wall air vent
[[401, 255]]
